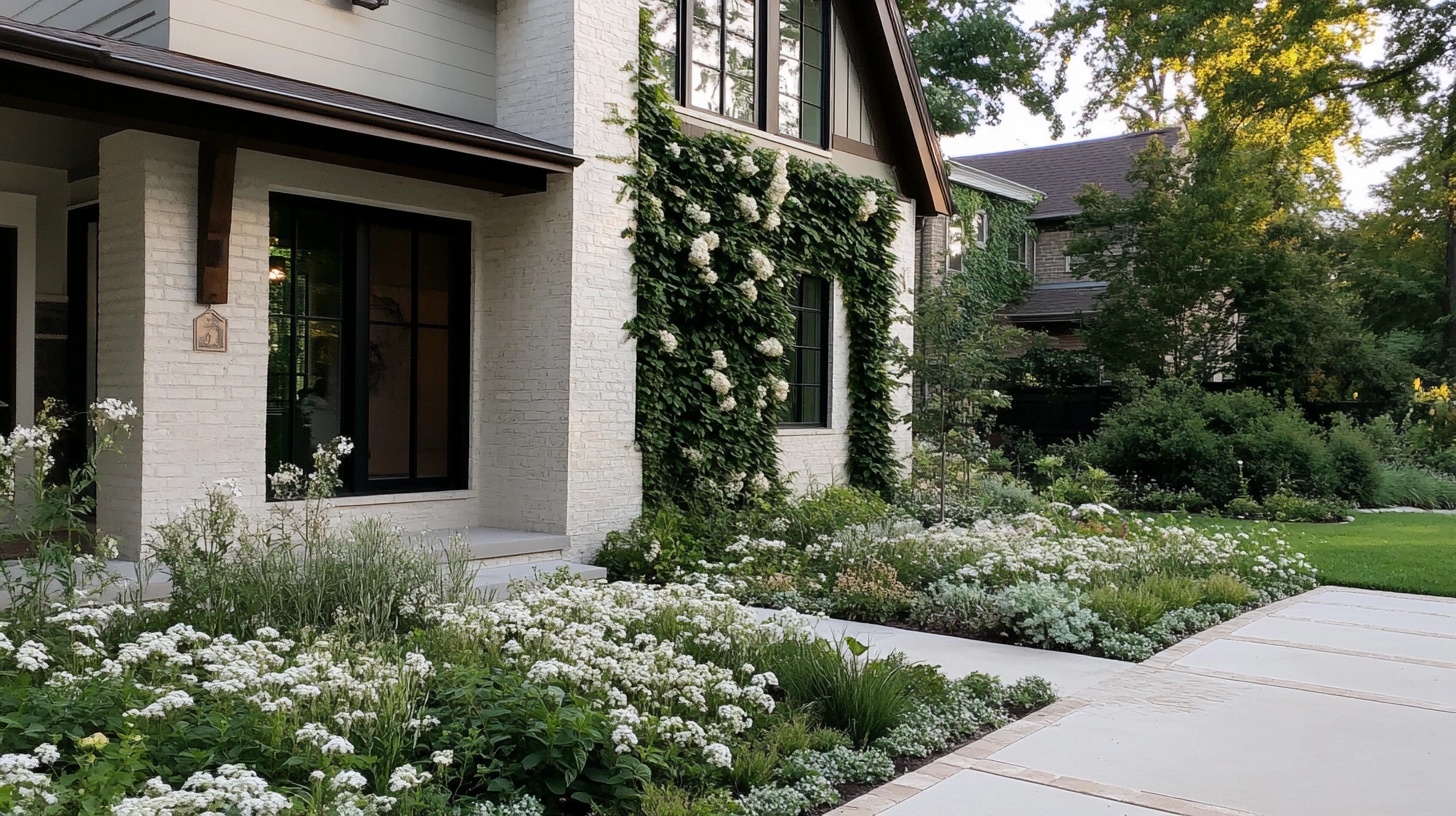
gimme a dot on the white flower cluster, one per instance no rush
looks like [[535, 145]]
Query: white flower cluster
[[777, 192], [232, 789], [18, 775], [749, 290], [868, 206], [748, 208], [763, 268], [668, 341], [697, 214], [700, 255], [770, 347], [114, 411], [598, 639]]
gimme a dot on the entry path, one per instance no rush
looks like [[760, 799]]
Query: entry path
[[1338, 702]]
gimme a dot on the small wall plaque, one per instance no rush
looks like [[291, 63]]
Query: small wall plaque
[[209, 332]]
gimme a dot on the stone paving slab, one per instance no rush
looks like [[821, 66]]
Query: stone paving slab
[[1336, 703], [1354, 639], [986, 794], [1374, 618], [1376, 676]]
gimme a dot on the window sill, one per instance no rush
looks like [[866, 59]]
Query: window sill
[[791, 430], [716, 122], [374, 499]]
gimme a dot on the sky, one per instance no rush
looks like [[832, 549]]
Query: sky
[[1020, 128]]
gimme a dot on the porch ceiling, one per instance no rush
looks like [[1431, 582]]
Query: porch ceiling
[[126, 85]]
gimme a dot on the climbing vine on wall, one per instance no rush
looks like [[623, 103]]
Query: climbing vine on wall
[[721, 234], [993, 278]]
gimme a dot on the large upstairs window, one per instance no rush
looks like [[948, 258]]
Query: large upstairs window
[[762, 62]]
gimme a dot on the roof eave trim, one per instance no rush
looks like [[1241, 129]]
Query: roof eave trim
[[991, 183], [96, 63]]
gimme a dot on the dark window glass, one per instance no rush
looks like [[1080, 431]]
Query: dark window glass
[[664, 23], [803, 56], [368, 338], [808, 402], [723, 76]]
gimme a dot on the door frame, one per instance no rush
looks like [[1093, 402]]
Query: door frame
[[18, 210]]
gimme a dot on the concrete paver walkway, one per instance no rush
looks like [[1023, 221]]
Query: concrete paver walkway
[[1338, 702]]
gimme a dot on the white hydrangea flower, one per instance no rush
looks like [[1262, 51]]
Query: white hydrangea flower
[[762, 267], [693, 455], [749, 290], [697, 214], [761, 484], [652, 206], [770, 347], [728, 405], [780, 389], [668, 341], [772, 221], [720, 360], [748, 208], [746, 167], [719, 381], [868, 205], [675, 149], [778, 186], [708, 276]]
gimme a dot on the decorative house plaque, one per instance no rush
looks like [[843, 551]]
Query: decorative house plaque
[[209, 332]]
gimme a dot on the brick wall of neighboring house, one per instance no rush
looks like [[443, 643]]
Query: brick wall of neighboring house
[[931, 249], [1051, 256]]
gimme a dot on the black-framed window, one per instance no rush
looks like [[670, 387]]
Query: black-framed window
[[762, 62], [808, 403], [369, 339]]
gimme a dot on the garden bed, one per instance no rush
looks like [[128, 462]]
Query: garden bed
[[1087, 579]]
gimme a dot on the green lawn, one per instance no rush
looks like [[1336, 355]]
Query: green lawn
[[1401, 552]]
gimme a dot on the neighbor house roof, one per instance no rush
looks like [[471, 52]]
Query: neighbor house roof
[[916, 147], [1062, 170], [126, 83], [1055, 302]]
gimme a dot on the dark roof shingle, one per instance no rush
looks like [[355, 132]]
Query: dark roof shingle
[[1061, 171], [1056, 301]]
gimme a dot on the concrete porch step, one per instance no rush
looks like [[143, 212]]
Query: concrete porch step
[[495, 582], [494, 542]]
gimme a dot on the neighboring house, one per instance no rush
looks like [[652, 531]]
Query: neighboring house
[[406, 216], [1059, 302], [972, 228]]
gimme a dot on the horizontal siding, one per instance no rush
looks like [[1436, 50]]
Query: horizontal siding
[[433, 54], [137, 20], [851, 112]]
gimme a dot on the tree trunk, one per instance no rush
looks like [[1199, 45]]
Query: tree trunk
[[1448, 176]]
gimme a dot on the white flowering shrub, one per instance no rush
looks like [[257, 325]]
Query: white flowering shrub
[[65, 557]]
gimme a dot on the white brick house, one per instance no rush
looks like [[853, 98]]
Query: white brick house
[[406, 220]]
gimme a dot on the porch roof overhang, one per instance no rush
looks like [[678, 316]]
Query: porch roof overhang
[[83, 76]]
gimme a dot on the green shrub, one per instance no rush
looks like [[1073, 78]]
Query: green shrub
[[1226, 445], [656, 542], [826, 511], [1222, 588], [1001, 494], [1289, 507], [661, 800], [1048, 616], [1131, 609], [872, 593], [1244, 507], [953, 608], [1408, 486], [1356, 464], [513, 737], [1087, 486], [1029, 694]]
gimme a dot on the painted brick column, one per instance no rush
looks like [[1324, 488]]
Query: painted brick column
[[561, 76], [192, 403]]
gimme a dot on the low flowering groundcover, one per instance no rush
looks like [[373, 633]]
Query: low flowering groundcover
[[1086, 579], [568, 698]]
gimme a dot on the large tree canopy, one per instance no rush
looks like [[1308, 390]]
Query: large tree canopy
[[972, 55]]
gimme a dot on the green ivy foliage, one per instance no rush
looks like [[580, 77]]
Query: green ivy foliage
[[701, 444], [993, 278]]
